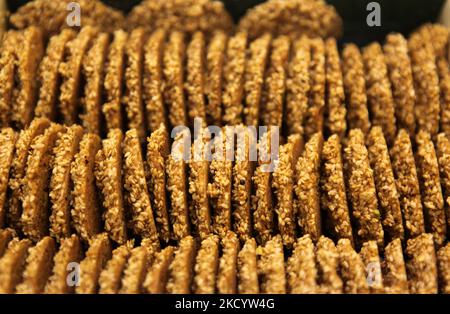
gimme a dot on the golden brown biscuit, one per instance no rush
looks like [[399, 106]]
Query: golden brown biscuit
[[111, 276], [12, 265], [195, 77], [352, 269], [443, 154], [444, 85], [7, 142], [394, 273], [301, 267], [181, 270], [327, 258], [6, 235], [8, 64], [136, 270], [158, 273], [227, 272], [247, 268], [271, 267], [206, 266], [443, 259], [372, 265]]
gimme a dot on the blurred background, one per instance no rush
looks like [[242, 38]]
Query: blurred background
[[396, 15]]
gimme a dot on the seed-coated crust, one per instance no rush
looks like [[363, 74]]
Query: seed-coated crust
[[173, 69], [157, 151], [98, 253], [307, 202], [29, 51], [136, 269], [362, 192], [255, 68], [71, 70], [247, 268], [108, 174], [379, 92], [181, 270], [85, 211], [298, 86], [18, 170], [333, 192], [215, 59], [206, 266], [195, 77], [7, 142], [444, 85], [317, 87], [407, 184], [136, 192], [49, 76], [12, 265], [301, 267], [111, 276], [355, 88], [38, 269], [372, 265], [6, 236], [388, 197], [426, 84], [421, 265], [335, 107], [327, 258], [8, 64], [60, 182], [443, 152], [443, 259], [433, 202], [436, 35], [177, 185], [227, 272], [158, 273], [114, 72], [93, 74], [35, 216], [394, 267], [402, 83], [352, 269], [233, 84], [152, 80], [275, 82], [271, 267], [70, 251], [134, 107]]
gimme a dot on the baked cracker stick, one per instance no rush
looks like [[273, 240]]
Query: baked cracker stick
[[215, 59], [298, 86], [327, 261], [317, 86], [255, 69], [206, 266], [108, 175], [70, 251], [173, 69], [335, 121], [60, 182], [421, 265], [49, 76], [443, 154], [134, 52], [85, 210], [93, 74], [98, 253], [18, 169], [136, 270], [111, 275], [433, 202], [152, 80], [195, 77], [352, 269], [114, 72], [227, 272], [372, 265], [157, 151], [70, 71], [275, 82], [8, 69], [379, 93], [307, 203], [181, 269], [247, 268], [402, 82], [6, 236], [7, 142], [443, 259], [362, 193], [158, 273], [355, 88], [35, 216], [271, 267], [38, 267], [388, 197], [233, 85], [12, 265], [444, 85], [333, 192], [394, 274], [301, 267], [407, 184]]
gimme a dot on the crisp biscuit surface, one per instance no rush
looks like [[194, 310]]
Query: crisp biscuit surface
[[301, 268], [206, 265], [271, 268], [327, 258], [8, 69], [7, 142], [372, 265], [158, 273], [443, 155], [111, 276], [195, 77], [394, 273], [352, 269], [12, 265], [247, 268], [136, 270], [181, 270], [443, 259], [6, 235], [227, 272], [444, 85]]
